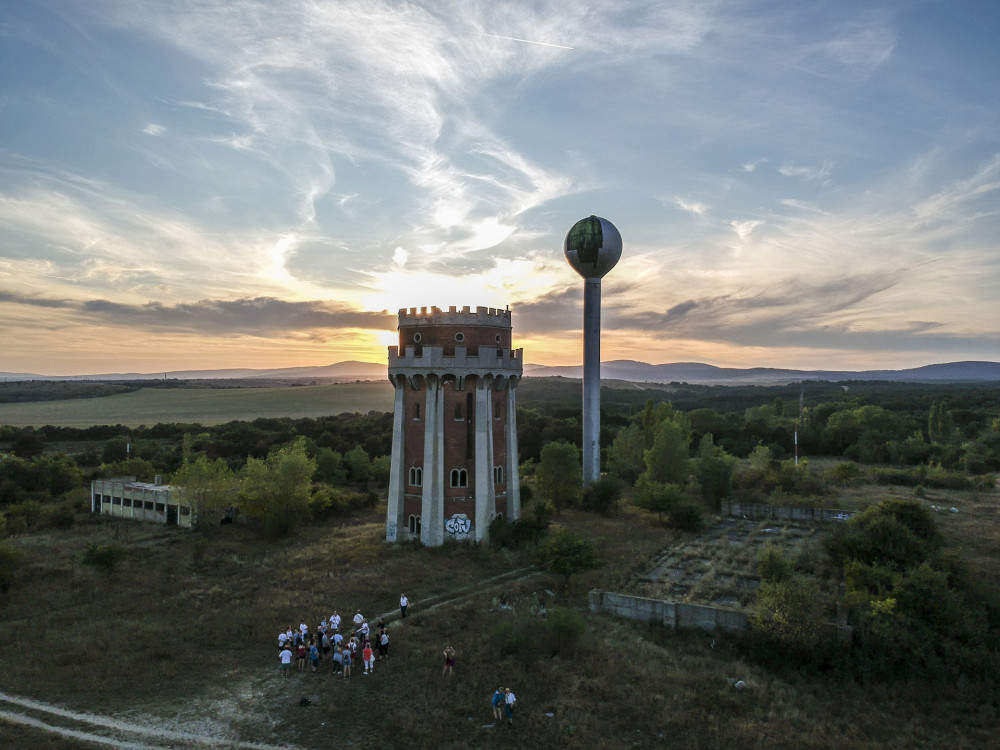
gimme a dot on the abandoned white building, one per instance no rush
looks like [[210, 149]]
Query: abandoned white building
[[124, 497]]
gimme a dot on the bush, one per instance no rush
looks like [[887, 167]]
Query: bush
[[104, 557], [518, 639], [568, 552], [525, 531], [563, 628], [10, 560], [686, 515], [603, 495], [790, 611], [772, 565], [897, 533]]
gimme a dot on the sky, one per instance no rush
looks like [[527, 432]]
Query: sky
[[212, 184]]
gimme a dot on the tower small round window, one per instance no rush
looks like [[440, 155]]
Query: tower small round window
[[460, 337], [498, 338], [416, 338]]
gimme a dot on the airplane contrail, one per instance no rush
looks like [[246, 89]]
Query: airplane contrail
[[527, 41]]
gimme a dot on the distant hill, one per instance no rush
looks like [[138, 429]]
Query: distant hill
[[341, 371], [622, 369], [702, 374]]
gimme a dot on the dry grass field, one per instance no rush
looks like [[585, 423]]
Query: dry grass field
[[183, 637], [150, 406]]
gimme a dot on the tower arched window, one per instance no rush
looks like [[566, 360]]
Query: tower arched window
[[414, 524], [497, 475], [416, 476], [459, 478]]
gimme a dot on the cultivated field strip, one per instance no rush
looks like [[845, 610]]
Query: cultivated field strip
[[109, 732]]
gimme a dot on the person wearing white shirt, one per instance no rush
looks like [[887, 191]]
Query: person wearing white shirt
[[403, 604], [509, 700], [286, 659]]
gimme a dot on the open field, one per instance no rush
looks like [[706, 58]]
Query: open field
[[182, 639], [148, 406]]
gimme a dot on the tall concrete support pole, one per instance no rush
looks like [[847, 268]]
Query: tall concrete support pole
[[513, 476], [485, 496], [432, 501], [591, 381], [394, 517]]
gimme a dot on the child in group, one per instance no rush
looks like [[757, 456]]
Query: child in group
[[302, 655], [313, 655], [347, 663], [369, 657]]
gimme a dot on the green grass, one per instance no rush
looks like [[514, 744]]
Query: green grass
[[149, 406], [185, 634]]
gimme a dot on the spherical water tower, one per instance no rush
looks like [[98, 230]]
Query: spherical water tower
[[592, 247]]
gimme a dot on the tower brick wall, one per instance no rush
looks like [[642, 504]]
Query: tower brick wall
[[454, 454]]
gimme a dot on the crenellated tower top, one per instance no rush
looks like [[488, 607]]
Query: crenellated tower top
[[482, 316]]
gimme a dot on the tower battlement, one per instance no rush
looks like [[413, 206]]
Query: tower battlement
[[489, 316]]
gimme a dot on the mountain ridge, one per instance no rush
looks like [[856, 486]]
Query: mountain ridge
[[622, 369]]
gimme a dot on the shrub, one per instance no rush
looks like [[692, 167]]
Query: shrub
[[897, 533], [790, 611], [686, 515], [104, 557], [658, 497], [603, 495], [772, 565], [10, 560], [517, 638], [563, 628], [845, 473], [568, 552], [525, 531]]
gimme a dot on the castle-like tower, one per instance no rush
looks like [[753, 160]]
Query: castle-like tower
[[454, 431]]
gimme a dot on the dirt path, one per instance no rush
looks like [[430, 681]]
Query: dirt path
[[150, 734], [102, 730]]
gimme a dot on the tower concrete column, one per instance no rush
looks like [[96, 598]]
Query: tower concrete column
[[397, 481], [432, 501], [512, 470], [591, 381], [485, 498]]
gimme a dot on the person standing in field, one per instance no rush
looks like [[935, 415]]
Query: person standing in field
[[302, 655], [313, 655], [498, 702], [286, 659], [369, 657], [335, 620], [347, 663], [383, 645], [338, 660], [403, 604], [449, 662], [509, 701]]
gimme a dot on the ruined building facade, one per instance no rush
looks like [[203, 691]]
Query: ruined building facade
[[454, 437]]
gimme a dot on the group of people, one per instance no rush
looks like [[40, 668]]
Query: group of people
[[359, 648], [327, 642], [503, 701]]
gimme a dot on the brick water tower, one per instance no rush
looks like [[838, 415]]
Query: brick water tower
[[454, 431]]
